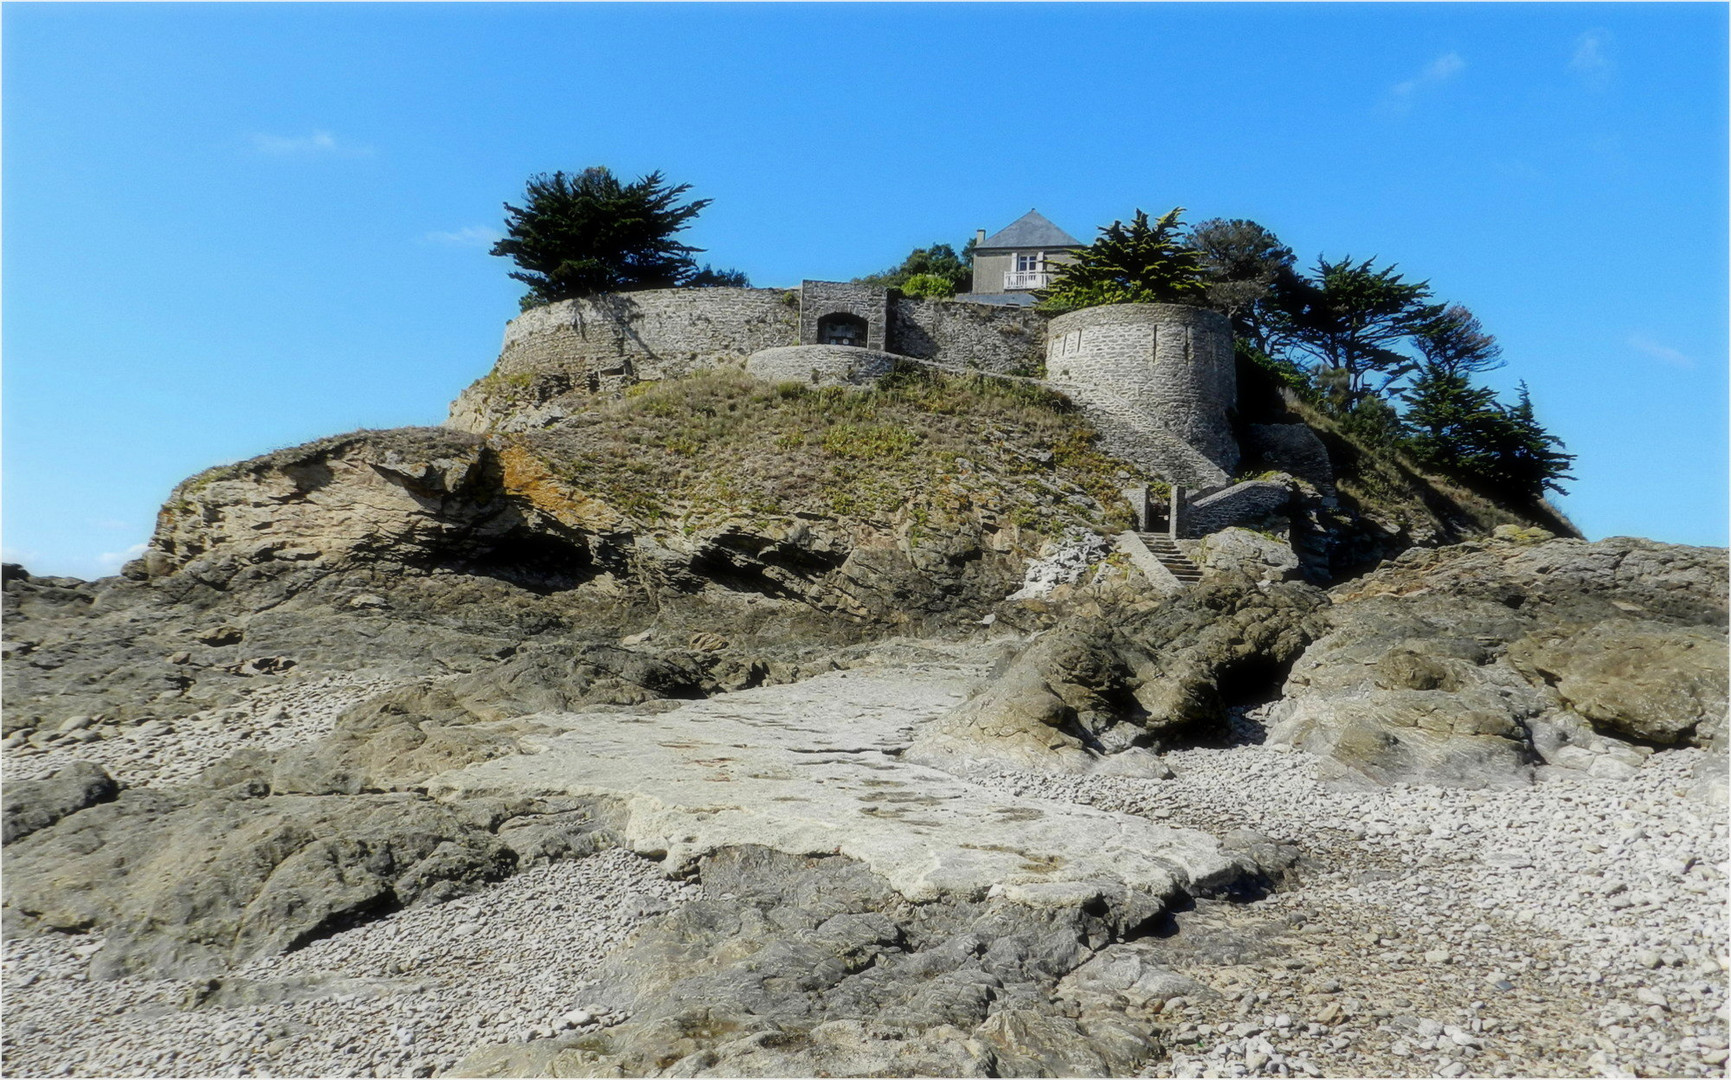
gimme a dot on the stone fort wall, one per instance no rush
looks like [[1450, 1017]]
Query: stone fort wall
[[1156, 379], [990, 337], [1170, 363], [665, 333], [654, 334]]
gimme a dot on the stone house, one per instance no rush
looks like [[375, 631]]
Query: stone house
[[1019, 258]]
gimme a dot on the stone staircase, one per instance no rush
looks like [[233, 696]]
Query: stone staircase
[[1176, 562]]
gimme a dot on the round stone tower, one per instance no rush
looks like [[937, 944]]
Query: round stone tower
[[1162, 373]]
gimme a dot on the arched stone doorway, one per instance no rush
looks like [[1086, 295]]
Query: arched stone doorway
[[840, 328]]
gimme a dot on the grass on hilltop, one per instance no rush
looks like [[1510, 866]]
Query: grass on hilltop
[[917, 444]]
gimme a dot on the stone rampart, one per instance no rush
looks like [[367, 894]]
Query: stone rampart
[[821, 365], [989, 337], [559, 353], [1170, 363], [655, 334], [1155, 379]]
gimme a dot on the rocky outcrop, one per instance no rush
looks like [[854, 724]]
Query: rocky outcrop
[[444, 551], [182, 884], [1133, 676], [1441, 667], [788, 647], [769, 767], [814, 966], [1639, 679], [31, 805], [1246, 553]]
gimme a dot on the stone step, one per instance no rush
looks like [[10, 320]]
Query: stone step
[[1171, 557]]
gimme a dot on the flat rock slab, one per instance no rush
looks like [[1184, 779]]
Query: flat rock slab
[[813, 768]]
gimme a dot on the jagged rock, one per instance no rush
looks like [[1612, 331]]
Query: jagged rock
[[1563, 740], [1127, 975], [186, 885], [818, 967], [36, 804], [1099, 685], [1246, 553], [1061, 562], [1638, 678], [1446, 666]]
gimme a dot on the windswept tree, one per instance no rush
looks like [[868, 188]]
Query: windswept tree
[[1248, 271], [1463, 431], [580, 234], [1446, 420], [1526, 459], [1456, 343], [1350, 317], [1142, 262]]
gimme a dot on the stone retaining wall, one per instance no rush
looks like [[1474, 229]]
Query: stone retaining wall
[[821, 365], [1241, 504], [556, 355], [654, 334], [1006, 340]]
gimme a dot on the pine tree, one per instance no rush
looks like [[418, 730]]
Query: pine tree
[[1351, 316], [1248, 270], [1446, 419], [1527, 459], [1140, 263], [1456, 342], [589, 233], [1463, 431]]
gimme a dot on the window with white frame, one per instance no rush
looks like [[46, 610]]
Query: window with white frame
[[1029, 263]]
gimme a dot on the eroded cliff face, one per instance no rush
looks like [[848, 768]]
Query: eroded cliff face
[[432, 504]]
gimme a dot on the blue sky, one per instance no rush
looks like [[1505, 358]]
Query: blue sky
[[229, 229]]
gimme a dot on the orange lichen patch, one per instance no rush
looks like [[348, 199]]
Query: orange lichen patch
[[528, 477]]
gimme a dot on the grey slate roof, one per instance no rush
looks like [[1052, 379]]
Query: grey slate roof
[[1031, 230]]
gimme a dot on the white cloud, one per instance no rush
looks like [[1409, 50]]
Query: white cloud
[[318, 144], [1662, 354], [1401, 96], [1437, 72], [1592, 56], [112, 561], [471, 236]]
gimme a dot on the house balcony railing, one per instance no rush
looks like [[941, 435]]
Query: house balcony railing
[[1026, 279]]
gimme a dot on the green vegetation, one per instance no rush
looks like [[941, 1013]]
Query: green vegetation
[[589, 233], [709, 278], [932, 285], [1375, 353], [1139, 263], [939, 261], [1350, 318], [1246, 268], [921, 448], [1388, 481]]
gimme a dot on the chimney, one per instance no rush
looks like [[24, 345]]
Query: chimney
[[979, 237]]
